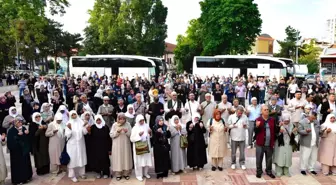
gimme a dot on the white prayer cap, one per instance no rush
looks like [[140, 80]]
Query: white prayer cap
[[254, 98], [106, 98], [173, 93], [207, 94]]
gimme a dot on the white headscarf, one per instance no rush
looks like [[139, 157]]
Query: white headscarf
[[327, 124], [91, 120], [99, 93], [44, 105], [34, 118], [65, 116], [60, 127], [10, 112], [76, 126], [195, 115], [127, 114], [102, 124], [172, 122], [143, 127]]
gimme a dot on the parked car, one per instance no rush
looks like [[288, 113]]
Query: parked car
[[310, 79]]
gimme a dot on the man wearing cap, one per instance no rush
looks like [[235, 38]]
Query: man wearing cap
[[253, 112], [173, 107], [106, 110], [296, 106], [207, 109]]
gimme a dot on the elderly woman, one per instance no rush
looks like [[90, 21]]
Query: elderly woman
[[196, 155], [327, 147], [9, 120], [46, 113], [283, 148], [140, 137], [122, 154], [55, 132], [19, 147], [40, 143], [178, 153], [130, 115], [101, 147], [217, 140], [74, 132], [161, 134], [65, 114]]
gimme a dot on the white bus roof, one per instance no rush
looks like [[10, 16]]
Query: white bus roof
[[117, 56], [328, 56], [252, 57]]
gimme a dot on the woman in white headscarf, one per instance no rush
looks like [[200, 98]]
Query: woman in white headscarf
[[196, 156], [283, 149], [327, 147], [140, 135], [55, 132], [178, 154], [46, 113], [89, 121], [98, 97], [65, 114], [101, 146], [130, 118], [40, 143], [8, 122], [122, 153], [74, 132]]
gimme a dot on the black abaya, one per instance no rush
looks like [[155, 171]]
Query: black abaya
[[161, 151], [196, 155], [20, 164]]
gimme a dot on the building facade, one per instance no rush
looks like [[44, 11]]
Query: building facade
[[263, 45], [331, 30]]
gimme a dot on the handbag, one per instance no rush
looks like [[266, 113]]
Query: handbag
[[183, 141], [141, 147], [64, 158]]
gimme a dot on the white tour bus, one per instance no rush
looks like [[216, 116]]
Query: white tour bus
[[233, 65], [109, 65]]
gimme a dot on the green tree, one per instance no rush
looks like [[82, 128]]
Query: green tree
[[128, 27], [21, 26], [188, 46], [288, 46], [230, 26], [309, 56]]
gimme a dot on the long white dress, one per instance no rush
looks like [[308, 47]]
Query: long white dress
[[144, 160], [3, 168], [76, 143]]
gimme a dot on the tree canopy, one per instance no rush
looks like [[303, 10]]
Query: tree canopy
[[224, 27], [127, 27], [25, 28], [288, 46]]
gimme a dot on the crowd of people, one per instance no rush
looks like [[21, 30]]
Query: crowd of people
[[100, 124]]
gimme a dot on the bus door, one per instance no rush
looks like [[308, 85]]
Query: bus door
[[115, 71]]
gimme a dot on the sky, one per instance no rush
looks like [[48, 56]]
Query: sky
[[308, 16]]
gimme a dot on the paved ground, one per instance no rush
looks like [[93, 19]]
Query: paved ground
[[204, 177]]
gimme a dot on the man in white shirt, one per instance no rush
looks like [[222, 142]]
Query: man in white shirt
[[238, 123], [173, 107], [192, 106]]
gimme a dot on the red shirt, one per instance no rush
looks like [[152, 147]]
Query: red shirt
[[260, 132]]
